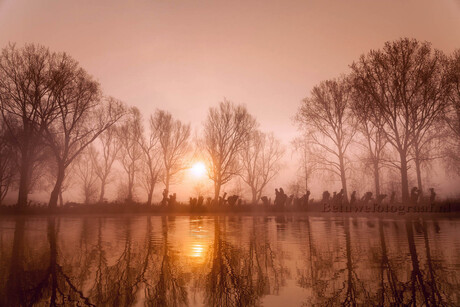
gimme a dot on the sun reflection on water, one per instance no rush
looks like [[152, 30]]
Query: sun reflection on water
[[199, 242]]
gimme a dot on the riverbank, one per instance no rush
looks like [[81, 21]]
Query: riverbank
[[442, 208]]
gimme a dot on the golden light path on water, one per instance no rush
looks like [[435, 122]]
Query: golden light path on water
[[199, 243]]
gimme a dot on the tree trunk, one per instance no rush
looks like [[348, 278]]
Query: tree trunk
[[418, 170], [61, 199], [404, 178], [129, 199], [167, 180], [343, 178], [259, 195], [216, 191], [254, 196], [150, 195], [87, 195], [306, 180], [101, 196], [377, 178], [57, 187], [24, 181]]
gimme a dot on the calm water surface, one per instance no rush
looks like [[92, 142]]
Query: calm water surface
[[228, 261]]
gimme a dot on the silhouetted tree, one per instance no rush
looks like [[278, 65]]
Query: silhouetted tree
[[328, 120], [7, 162], [174, 141], [129, 134], [103, 160], [226, 130], [404, 86], [81, 116], [85, 171], [151, 161], [261, 161], [308, 161], [452, 116], [29, 79], [374, 136]]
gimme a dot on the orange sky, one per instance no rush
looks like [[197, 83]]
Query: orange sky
[[184, 56]]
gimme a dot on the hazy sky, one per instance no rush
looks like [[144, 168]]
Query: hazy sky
[[184, 56]]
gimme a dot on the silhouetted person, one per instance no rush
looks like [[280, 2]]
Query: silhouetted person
[[432, 195], [277, 197], [164, 201], [223, 199], [304, 199], [326, 196], [281, 197], [172, 200], [366, 198], [353, 198], [200, 201], [414, 193], [265, 201], [193, 202], [232, 200], [340, 196]]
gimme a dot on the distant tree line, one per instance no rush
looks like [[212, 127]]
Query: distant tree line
[[57, 127], [399, 107]]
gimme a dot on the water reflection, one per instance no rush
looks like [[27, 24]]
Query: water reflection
[[228, 261]]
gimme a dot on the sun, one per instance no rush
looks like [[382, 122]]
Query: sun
[[198, 169]]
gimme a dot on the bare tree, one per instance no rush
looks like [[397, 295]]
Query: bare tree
[[7, 162], [85, 171], [103, 160], [453, 118], [81, 117], [404, 85], [174, 142], [260, 159], [28, 77], [308, 161], [452, 115], [328, 120], [226, 130], [374, 139], [129, 134], [152, 165]]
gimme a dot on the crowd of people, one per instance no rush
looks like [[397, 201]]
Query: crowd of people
[[337, 198]]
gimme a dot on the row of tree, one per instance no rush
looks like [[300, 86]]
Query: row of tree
[[401, 104], [399, 107], [54, 118]]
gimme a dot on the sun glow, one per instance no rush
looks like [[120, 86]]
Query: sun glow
[[198, 170]]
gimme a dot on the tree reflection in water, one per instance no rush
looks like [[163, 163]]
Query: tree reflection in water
[[240, 275], [227, 261]]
